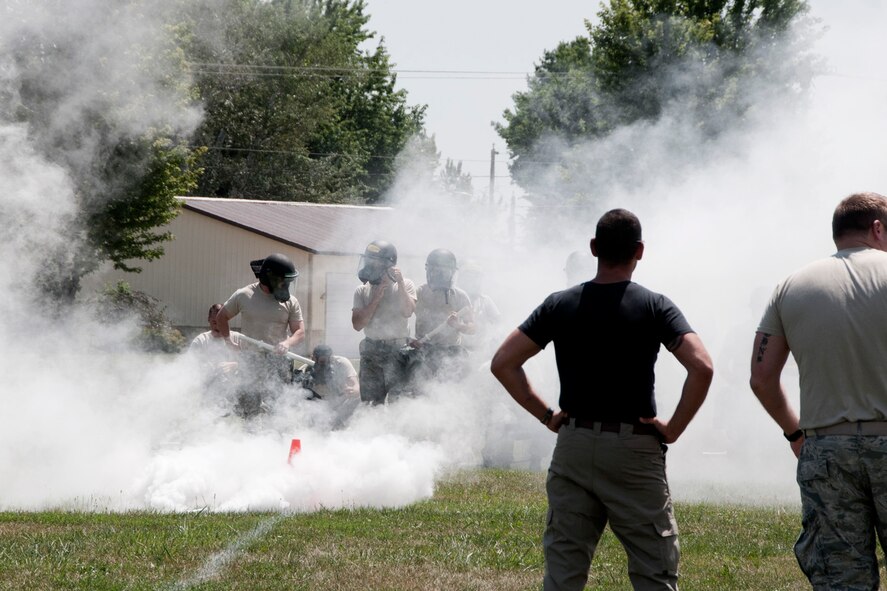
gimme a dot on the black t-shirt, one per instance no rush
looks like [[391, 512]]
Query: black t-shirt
[[606, 340]]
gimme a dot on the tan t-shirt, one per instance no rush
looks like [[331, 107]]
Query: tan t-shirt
[[342, 370], [263, 317], [833, 314], [433, 307], [387, 322], [214, 350]]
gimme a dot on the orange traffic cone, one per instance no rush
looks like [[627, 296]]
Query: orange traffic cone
[[295, 447]]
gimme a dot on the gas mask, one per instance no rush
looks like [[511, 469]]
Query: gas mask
[[439, 278], [371, 270], [322, 370], [276, 272], [279, 287]]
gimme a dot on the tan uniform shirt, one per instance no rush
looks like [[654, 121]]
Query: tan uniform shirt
[[213, 350], [388, 322], [433, 307], [263, 317], [342, 369], [833, 314]]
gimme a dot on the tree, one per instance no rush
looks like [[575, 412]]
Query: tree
[[295, 110], [111, 110], [707, 63], [453, 180]]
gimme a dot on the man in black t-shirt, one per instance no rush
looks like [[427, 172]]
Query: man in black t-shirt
[[609, 461]]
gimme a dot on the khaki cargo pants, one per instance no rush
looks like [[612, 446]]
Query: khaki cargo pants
[[600, 477]]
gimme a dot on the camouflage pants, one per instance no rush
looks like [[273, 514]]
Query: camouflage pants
[[382, 370], [843, 482]]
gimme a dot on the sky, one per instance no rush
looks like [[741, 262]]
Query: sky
[[503, 38], [508, 38]]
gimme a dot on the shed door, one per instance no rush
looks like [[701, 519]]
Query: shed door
[[340, 335]]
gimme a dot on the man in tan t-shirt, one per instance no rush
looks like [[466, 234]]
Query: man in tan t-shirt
[[832, 316], [269, 312], [382, 309], [443, 315], [217, 354]]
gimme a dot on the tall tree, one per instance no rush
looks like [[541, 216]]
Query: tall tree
[[102, 93], [706, 62], [295, 109]]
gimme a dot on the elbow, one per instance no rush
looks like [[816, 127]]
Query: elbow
[[703, 372], [758, 384], [498, 366], [707, 371]]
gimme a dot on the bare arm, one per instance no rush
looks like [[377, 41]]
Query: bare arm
[[690, 353], [222, 319], [360, 317], [407, 303], [297, 335], [463, 320], [507, 366], [768, 359], [352, 386]]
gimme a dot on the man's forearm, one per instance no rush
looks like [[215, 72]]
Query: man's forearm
[[773, 398], [407, 304], [518, 387], [693, 394], [222, 323], [362, 316]]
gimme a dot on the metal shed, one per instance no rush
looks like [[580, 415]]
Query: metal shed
[[214, 240]]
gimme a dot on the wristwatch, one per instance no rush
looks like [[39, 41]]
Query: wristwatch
[[794, 436], [547, 416]]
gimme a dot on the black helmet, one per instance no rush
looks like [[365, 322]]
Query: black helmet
[[378, 257], [441, 257], [381, 249], [440, 267], [276, 272]]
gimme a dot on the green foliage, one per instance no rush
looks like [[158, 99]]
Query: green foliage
[[295, 109], [109, 111], [118, 302], [152, 174], [709, 64], [453, 180]]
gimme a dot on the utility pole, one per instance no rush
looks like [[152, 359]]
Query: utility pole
[[493, 153]]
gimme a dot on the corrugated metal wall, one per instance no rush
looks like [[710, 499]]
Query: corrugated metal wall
[[208, 260]]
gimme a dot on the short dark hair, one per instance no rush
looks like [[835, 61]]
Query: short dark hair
[[857, 213], [213, 308], [617, 236]]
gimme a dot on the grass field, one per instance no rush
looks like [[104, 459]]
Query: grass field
[[481, 531]]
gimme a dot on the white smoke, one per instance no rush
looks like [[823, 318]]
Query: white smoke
[[85, 423]]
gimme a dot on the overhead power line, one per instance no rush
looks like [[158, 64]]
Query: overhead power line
[[271, 71]]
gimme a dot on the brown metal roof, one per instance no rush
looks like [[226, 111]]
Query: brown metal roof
[[316, 228]]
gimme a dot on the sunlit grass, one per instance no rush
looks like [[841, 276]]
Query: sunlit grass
[[482, 530]]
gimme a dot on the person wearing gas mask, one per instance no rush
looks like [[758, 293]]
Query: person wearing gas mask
[[269, 313], [331, 377], [382, 308], [443, 315], [486, 313]]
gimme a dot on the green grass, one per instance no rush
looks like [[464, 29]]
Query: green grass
[[481, 531]]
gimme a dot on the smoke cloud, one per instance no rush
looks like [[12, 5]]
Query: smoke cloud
[[86, 423]]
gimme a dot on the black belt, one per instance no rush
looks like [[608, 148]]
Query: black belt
[[388, 342], [636, 428]]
